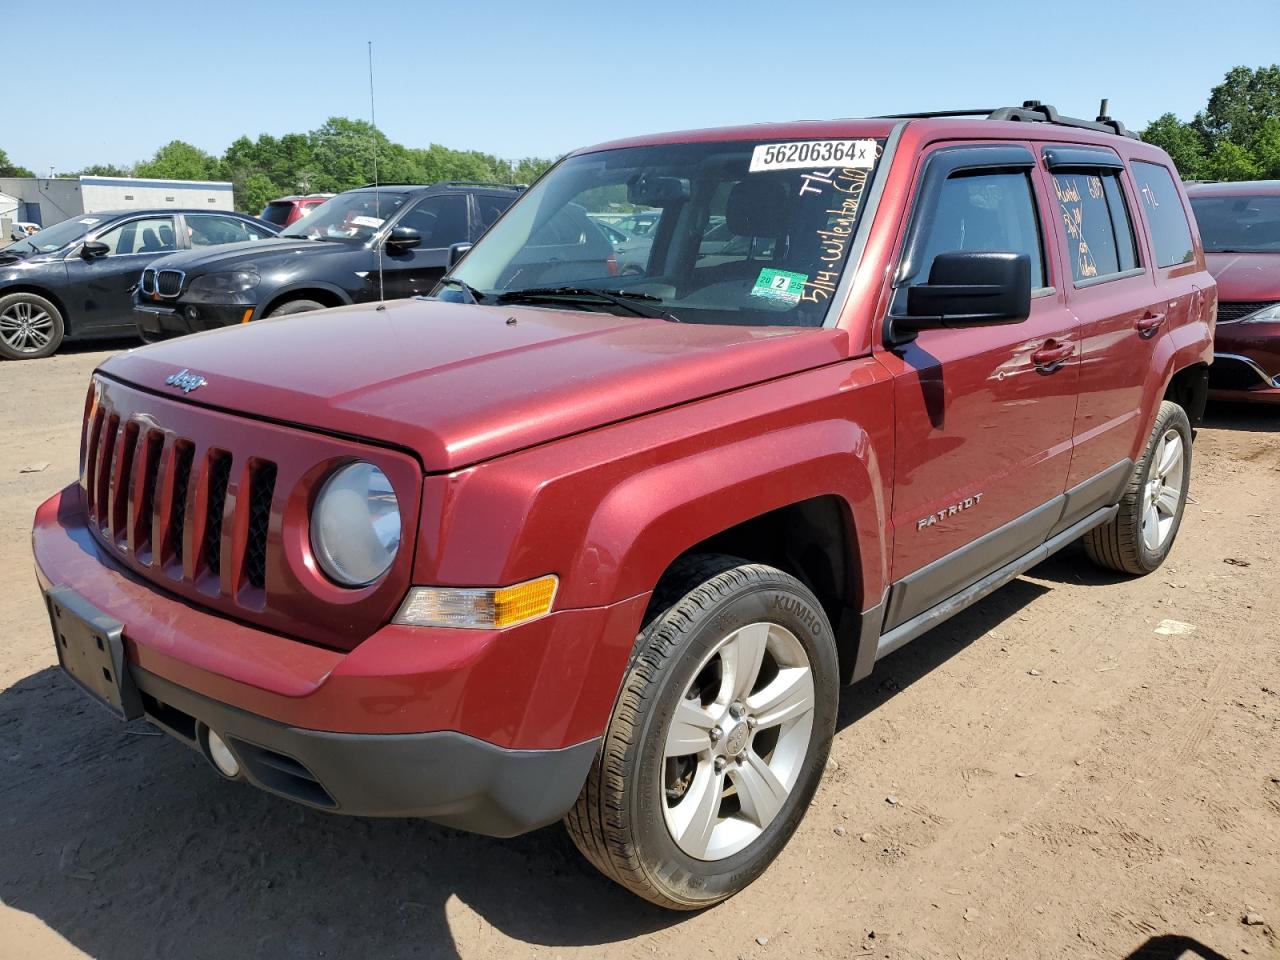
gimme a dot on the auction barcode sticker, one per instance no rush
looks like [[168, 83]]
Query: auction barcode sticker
[[808, 154]]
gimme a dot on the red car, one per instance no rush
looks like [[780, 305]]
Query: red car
[[1240, 225], [289, 210], [564, 544]]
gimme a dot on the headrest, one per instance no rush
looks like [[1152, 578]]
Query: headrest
[[757, 207]]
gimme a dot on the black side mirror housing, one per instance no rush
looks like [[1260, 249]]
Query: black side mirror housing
[[403, 238], [456, 252], [969, 289], [92, 249]]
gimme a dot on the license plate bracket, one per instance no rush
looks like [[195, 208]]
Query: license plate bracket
[[91, 652]]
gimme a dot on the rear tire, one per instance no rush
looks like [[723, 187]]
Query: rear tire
[[30, 327], [709, 762], [296, 306], [1140, 536]]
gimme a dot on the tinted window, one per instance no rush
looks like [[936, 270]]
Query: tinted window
[[989, 211], [442, 221], [1238, 224], [1100, 237], [491, 208], [277, 213], [1170, 232], [152, 235], [208, 230]]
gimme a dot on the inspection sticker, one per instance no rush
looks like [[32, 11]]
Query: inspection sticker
[[89, 220], [779, 285], [367, 222], [807, 154]]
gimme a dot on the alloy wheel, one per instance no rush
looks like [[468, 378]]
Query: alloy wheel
[[26, 327], [736, 744], [1162, 496]]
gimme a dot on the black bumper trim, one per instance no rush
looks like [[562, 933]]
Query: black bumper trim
[[444, 776]]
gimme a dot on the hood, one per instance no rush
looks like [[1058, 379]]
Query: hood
[[229, 256], [460, 383], [1246, 276]]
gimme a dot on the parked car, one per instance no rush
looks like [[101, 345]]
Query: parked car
[[361, 245], [289, 210], [1240, 224], [75, 279], [562, 543], [21, 229]]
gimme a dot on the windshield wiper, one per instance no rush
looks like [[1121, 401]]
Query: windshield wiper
[[474, 295], [630, 300]]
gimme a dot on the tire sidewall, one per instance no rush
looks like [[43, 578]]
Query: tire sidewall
[[59, 326], [1171, 417], [788, 605], [293, 307]]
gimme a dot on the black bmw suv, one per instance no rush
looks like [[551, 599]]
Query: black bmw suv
[[330, 257]]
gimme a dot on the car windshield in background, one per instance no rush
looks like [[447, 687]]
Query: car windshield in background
[[1239, 224], [60, 234], [352, 217], [737, 232]]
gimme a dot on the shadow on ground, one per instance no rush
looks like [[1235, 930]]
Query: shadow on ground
[[1174, 947]]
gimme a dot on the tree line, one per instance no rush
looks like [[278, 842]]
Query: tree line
[[1235, 137], [334, 157]]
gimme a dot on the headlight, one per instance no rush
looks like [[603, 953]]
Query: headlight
[[478, 608], [355, 525], [230, 287], [1269, 312]]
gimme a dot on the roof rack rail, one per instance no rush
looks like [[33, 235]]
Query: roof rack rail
[[1032, 111], [482, 183]]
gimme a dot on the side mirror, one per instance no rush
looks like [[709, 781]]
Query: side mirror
[[404, 238], [92, 249], [969, 289], [456, 252]]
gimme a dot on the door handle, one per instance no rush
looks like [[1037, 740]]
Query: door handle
[[1149, 325], [1051, 357]]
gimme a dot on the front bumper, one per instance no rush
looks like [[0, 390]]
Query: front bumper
[[1242, 377], [489, 731], [163, 319]]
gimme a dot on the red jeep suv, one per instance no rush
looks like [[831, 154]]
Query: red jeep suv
[[559, 543]]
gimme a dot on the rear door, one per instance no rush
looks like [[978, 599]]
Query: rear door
[[99, 296], [983, 415], [1111, 289], [442, 221]]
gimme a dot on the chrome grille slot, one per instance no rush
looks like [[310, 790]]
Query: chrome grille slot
[[142, 523], [169, 282], [121, 473], [102, 470], [148, 282]]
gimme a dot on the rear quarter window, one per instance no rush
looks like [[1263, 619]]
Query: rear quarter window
[[1170, 231]]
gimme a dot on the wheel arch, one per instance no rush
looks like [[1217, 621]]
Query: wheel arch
[[328, 294], [68, 325]]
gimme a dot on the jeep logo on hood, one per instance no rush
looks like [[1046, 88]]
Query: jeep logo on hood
[[186, 381]]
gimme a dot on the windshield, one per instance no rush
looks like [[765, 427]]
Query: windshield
[[60, 234], [738, 232], [1239, 224], [352, 217]]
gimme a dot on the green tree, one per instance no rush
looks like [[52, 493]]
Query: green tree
[[8, 169], [1230, 161], [1240, 104], [178, 160], [99, 170], [1182, 141], [1266, 148]]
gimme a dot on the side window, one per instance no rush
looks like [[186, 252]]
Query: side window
[[1170, 232], [442, 220], [991, 211], [152, 235], [491, 208], [1096, 219], [209, 230]]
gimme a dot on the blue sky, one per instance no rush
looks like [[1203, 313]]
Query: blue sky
[[110, 82]]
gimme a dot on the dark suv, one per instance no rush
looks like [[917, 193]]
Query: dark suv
[[373, 243]]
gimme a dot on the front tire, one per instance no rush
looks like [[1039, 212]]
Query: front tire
[[718, 739], [30, 327], [1140, 536], [296, 306]]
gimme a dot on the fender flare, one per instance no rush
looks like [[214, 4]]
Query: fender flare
[[301, 286]]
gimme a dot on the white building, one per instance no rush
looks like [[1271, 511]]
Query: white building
[[50, 200]]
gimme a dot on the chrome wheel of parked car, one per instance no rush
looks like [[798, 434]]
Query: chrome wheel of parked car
[[719, 737], [30, 326], [737, 741], [1162, 497]]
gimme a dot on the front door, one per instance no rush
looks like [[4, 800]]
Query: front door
[[441, 221], [983, 415], [99, 296]]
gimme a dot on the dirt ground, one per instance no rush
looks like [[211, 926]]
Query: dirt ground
[[1051, 774]]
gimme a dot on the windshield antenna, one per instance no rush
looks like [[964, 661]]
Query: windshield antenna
[[377, 194]]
